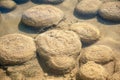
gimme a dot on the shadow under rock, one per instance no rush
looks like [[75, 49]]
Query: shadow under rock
[[54, 2], [83, 16], [106, 22], [37, 1], [4, 10], [30, 29], [21, 1]]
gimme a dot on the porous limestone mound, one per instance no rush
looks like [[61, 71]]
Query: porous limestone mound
[[110, 11], [86, 31], [92, 71], [58, 42], [16, 48], [7, 4], [61, 63], [52, 1], [42, 16], [98, 53], [60, 49], [30, 70], [88, 7]]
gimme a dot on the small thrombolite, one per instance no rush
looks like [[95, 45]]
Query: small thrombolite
[[98, 53], [92, 71], [7, 4], [42, 16], [110, 11], [86, 31], [88, 7], [16, 48]]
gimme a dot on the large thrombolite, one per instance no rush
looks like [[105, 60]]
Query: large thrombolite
[[88, 7], [86, 31], [16, 48], [7, 4], [55, 45], [98, 53], [42, 16], [92, 71], [110, 11]]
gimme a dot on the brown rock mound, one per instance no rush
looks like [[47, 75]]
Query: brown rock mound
[[110, 11], [42, 16], [97, 53], [16, 48], [88, 7], [58, 42], [7, 4], [92, 71], [86, 31]]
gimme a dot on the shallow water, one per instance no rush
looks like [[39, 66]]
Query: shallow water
[[110, 31]]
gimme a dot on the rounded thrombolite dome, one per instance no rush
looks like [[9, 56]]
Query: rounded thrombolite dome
[[88, 7], [86, 31], [16, 48], [53, 1], [110, 11], [97, 53], [42, 16], [92, 71], [7, 4], [58, 42], [61, 63]]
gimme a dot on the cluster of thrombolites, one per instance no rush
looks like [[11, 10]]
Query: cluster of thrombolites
[[59, 50]]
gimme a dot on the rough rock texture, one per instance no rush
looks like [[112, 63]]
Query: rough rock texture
[[88, 7], [86, 31], [60, 48], [92, 71], [97, 53], [42, 16], [28, 71], [117, 66], [16, 48], [110, 11], [115, 76], [3, 75], [7, 4], [53, 1], [61, 63], [58, 42]]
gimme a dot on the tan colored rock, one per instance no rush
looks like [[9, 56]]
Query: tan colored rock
[[115, 76], [62, 63], [27, 71], [98, 53], [42, 16], [8, 4], [92, 71], [110, 11], [88, 7], [58, 42], [86, 31], [16, 49], [117, 66]]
